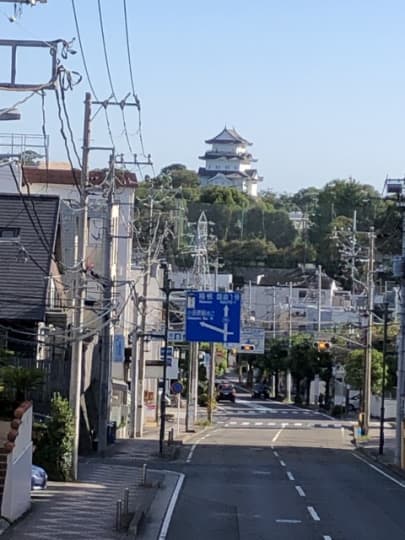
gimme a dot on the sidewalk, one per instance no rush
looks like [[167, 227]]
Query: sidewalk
[[87, 509], [370, 446]]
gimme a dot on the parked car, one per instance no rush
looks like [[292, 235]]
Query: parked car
[[226, 392], [39, 478], [260, 391]]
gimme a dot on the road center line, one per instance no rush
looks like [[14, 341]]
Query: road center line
[[277, 435], [301, 492], [313, 513], [275, 453], [290, 476], [282, 463], [380, 471]]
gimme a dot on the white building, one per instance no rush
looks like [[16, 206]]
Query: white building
[[229, 163]]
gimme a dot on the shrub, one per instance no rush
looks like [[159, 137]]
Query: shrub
[[55, 446]]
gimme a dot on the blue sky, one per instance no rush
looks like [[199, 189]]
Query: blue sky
[[317, 85]]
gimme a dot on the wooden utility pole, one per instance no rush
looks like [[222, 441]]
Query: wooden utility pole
[[80, 288]]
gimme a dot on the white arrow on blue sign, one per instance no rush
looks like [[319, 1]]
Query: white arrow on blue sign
[[213, 316]]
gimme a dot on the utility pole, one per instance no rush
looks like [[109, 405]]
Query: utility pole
[[319, 298], [382, 413], [140, 409], [134, 369], [211, 374], [274, 312], [80, 289], [290, 288], [399, 454], [369, 335], [106, 350]]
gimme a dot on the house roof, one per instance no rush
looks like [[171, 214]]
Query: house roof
[[36, 175], [28, 229], [250, 174], [227, 155], [305, 278], [228, 135], [298, 277]]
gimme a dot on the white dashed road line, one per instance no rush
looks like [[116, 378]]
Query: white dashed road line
[[327, 538], [301, 492], [313, 513], [290, 476], [288, 521], [277, 435], [282, 463]]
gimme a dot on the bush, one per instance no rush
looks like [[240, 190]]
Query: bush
[[55, 446], [203, 400]]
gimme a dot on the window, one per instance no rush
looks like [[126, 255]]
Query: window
[[9, 232], [302, 294]]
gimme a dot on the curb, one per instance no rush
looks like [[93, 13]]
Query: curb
[[157, 520]]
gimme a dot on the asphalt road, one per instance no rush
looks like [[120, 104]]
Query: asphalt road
[[271, 471]]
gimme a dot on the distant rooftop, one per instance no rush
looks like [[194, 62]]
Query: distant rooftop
[[228, 135]]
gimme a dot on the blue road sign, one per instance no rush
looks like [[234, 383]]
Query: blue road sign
[[177, 387], [213, 316], [169, 356]]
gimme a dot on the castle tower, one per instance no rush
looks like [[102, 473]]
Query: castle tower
[[228, 163]]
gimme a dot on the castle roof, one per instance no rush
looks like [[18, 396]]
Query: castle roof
[[228, 135]]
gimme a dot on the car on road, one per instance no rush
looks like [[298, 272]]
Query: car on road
[[260, 391], [39, 478], [226, 392]]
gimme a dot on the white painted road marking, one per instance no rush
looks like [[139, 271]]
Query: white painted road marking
[[313, 513], [327, 538], [170, 509], [282, 463], [275, 453], [301, 492], [277, 435], [290, 475], [192, 449], [288, 521], [380, 471]]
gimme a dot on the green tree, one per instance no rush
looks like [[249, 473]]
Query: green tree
[[19, 382], [354, 367], [303, 364], [54, 448], [274, 360], [181, 176]]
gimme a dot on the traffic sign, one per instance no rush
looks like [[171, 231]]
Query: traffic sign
[[177, 387], [176, 336], [166, 355], [251, 341], [213, 316]]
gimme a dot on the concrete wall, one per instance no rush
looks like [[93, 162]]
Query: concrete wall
[[390, 406], [17, 487]]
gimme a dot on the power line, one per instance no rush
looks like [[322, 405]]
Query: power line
[[86, 69]]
